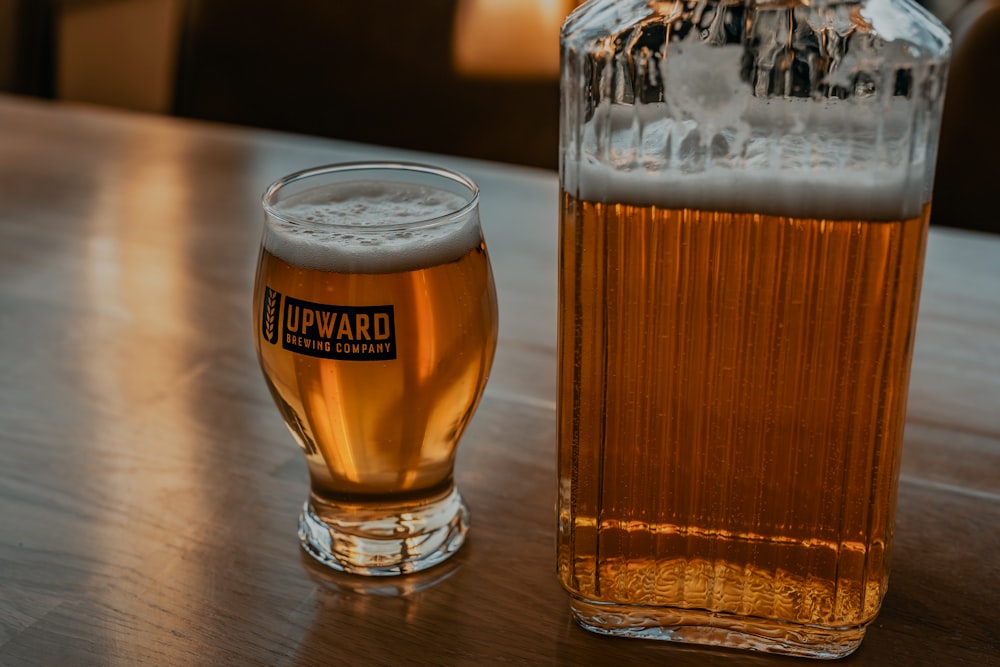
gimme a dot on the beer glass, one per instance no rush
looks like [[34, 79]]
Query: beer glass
[[375, 321], [745, 197]]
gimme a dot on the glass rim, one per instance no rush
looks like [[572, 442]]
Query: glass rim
[[268, 198]]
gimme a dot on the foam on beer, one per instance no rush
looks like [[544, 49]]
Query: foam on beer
[[371, 227], [858, 197], [771, 172]]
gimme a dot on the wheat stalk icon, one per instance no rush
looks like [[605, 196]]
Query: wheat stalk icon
[[271, 300]]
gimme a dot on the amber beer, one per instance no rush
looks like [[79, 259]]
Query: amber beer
[[732, 389], [376, 333]]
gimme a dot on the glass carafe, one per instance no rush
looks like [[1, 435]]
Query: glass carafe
[[745, 191]]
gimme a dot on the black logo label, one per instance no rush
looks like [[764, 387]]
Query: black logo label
[[352, 333]]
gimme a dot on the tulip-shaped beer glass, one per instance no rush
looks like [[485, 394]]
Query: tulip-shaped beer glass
[[375, 320]]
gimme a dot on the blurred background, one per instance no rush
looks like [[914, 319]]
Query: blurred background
[[476, 78]]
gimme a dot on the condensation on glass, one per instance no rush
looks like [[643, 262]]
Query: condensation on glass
[[745, 192]]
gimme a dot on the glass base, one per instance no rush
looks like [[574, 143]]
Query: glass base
[[692, 626], [384, 540]]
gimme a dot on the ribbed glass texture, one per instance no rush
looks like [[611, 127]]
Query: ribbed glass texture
[[745, 197]]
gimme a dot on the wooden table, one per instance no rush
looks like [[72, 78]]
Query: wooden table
[[149, 490]]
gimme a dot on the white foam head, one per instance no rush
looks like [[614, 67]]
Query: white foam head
[[372, 226], [635, 154], [852, 196]]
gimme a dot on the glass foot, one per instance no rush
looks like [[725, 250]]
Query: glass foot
[[384, 540]]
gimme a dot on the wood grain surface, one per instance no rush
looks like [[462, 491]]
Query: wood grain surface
[[149, 490]]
